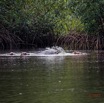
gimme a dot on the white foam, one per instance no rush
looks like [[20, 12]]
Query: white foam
[[40, 54], [49, 52]]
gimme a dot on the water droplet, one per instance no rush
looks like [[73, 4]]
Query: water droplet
[[59, 81], [61, 89], [12, 70], [20, 93], [27, 85]]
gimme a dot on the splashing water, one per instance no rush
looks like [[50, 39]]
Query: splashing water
[[53, 51]]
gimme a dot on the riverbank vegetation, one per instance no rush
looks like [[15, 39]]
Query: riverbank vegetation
[[75, 24]]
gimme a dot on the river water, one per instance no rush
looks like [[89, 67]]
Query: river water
[[70, 79]]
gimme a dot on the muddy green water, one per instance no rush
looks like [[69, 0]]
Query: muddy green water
[[73, 79]]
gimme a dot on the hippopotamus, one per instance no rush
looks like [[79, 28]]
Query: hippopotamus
[[53, 50]]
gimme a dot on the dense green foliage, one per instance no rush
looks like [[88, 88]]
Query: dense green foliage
[[32, 20], [37, 23], [91, 13]]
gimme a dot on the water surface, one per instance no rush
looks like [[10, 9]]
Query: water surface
[[70, 79]]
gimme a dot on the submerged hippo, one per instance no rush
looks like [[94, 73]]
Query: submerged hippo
[[18, 54], [24, 53], [53, 50], [11, 53]]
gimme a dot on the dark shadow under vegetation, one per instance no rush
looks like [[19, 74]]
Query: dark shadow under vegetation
[[25, 38]]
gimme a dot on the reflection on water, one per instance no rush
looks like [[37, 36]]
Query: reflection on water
[[75, 79]]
